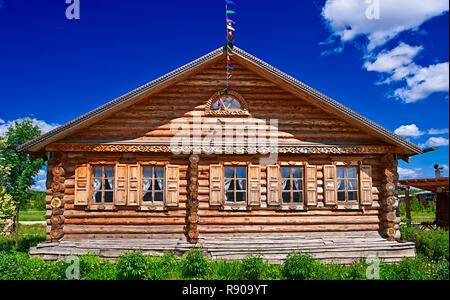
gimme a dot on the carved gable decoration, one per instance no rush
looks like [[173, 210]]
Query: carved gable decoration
[[229, 104]]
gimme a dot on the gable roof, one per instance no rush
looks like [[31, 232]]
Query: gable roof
[[268, 71]]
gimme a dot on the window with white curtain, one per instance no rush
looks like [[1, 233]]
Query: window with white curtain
[[347, 184], [235, 185], [292, 185], [103, 185], [153, 184]]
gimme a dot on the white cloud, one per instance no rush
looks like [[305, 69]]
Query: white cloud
[[44, 126], [409, 131], [424, 82], [2, 121], [421, 82], [41, 179], [389, 61], [347, 19], [40, 186], [438, 131], [435, 142], [446, 168], [405, 173]]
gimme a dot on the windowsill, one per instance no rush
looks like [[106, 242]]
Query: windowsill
[[291, 207], [101, 207], [348, 206], [152, 207], [235, 207]]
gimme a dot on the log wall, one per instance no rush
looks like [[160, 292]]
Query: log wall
[[129, 222], [150, 120]]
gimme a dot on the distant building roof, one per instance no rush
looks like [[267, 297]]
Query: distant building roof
[[429, 184]]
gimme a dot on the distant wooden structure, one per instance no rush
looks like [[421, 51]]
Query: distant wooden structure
[[438, 186], [116, 181]]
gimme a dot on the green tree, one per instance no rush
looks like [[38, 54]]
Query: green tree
[[22, 167], [7, 206]]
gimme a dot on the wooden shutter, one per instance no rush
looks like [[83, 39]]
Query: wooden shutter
[[134, 185], [329, 191], [254, 185], [82, 185], [121, 184], [366, 185], [273, 185], [172, 185], [216, 185], [311, 185]]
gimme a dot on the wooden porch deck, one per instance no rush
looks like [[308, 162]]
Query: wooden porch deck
[[341, 248]]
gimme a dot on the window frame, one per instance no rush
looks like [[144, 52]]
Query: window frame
[[229, 112], [226, 202], [142, 178], [291, 191], [103, 191], [346, 190]]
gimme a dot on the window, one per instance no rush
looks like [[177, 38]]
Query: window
[[226, 102], [153, 185], [235, 185], [347, 184], [230, 103], [103, 184], [292, 185]]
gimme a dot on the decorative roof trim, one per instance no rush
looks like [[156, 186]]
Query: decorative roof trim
[[40, 142]]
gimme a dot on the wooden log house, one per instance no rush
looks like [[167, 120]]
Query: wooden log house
[[116, 181]]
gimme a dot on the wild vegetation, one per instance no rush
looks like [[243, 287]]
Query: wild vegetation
[[419, 213], [432, 263], [18, 170]]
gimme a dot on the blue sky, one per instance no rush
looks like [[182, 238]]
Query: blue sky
[[391, 68]]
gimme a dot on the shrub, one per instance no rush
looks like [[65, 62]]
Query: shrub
[[442, 270], [252, 268], [131, 266], [298, 267], [38, 269], [163, 267], [432, 244], [11, 265], [194, 265], [94, 268], [224, 270], [273, 272]]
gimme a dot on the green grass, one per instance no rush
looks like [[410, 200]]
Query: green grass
[[431, 263], [420, 216], [30, 216], [29, 236]]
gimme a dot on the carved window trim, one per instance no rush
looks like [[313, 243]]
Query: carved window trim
[[232, 112]]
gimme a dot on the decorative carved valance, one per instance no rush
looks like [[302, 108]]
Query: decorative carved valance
[[222, 149]]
